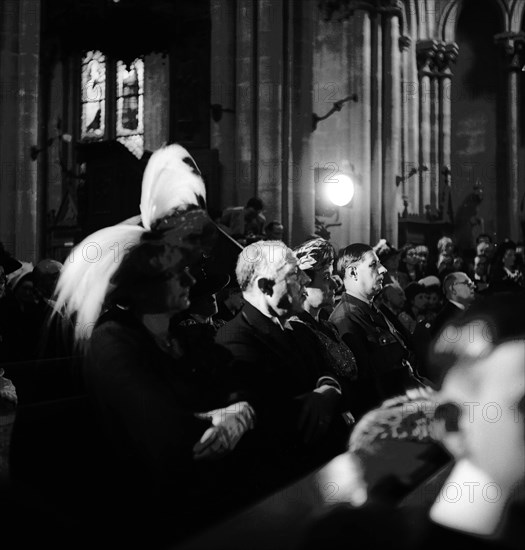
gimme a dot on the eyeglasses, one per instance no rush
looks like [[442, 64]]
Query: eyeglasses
[[468, 283]]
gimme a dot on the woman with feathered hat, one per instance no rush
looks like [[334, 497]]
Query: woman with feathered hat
[[122, 285]]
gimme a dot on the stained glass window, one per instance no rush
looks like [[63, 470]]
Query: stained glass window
[[130, 106], [93, 95]]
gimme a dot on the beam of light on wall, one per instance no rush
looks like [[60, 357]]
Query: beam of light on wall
[[340, 190]]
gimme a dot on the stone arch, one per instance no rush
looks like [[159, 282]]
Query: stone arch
[[447, 24], [409, 17], [517, 16]]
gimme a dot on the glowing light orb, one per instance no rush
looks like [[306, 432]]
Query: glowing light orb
[[340, 190]]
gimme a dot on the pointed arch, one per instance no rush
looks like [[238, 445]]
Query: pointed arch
[[447, 24], [516, 16], [409, 16]]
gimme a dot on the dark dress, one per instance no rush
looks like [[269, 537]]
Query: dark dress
[[145, 401], [338, 356]]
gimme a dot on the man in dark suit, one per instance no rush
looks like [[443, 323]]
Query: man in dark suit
[[281, 372], [381, 353], [459, 292]]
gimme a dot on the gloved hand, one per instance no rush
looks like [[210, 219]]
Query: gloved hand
[[317, 412], [229, 425], [7, 389]]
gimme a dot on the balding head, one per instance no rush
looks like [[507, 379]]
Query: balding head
[[270, 279], [458, 287]]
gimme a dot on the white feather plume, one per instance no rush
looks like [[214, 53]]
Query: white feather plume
[[85, 277], [168, 183]]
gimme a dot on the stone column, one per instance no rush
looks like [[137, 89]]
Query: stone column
[[445, 97], [156, 109], [270, 105], [376, 175], [245, 177], [410, 94], [426, 51], [360, 142], [222, 132], [513, 45], [392, 127], [297, 179], [21, 197]]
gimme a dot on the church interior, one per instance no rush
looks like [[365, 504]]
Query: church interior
[[425, 103], [398, 124]]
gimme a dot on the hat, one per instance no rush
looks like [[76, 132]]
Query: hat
[[413, 289], [431, 280], [16, 277], [315, 254]]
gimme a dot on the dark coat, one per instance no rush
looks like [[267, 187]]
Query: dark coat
[[146, 400], [448, 313], [274, 366], [381, 357]]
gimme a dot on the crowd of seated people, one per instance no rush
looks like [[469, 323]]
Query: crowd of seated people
[[211, 389]]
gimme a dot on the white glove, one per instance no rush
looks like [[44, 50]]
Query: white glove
[[7, 389], [229, 425]]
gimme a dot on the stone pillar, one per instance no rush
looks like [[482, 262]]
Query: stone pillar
[[21, 197], [360, 154], [392, 127], [270, 105], [410, 94], [298, 182], [426, 52], [156, 108], [222, 132], [513, 45], [376, 130], [434, 144], [245, 103], [445, 98]]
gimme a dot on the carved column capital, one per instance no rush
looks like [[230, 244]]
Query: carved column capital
[[513, 45], [451, 52], [404, 42], [434, 58], [426, 54]]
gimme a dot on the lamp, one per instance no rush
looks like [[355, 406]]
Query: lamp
[[340, 191]]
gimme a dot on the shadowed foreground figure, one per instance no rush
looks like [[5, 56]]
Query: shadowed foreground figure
[[477, 416], [166, 426]]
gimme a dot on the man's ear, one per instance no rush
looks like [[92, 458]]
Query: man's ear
[[266, 285]]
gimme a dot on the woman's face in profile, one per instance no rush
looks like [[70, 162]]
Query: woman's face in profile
[[177, 289]]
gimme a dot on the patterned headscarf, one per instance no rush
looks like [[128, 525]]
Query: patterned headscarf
[[315, 254]]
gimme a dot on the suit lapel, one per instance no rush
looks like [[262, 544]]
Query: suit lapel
[[265, 330]]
